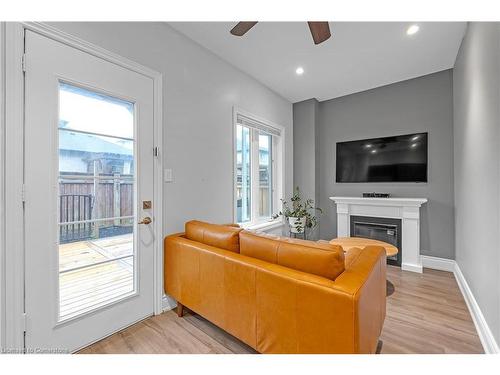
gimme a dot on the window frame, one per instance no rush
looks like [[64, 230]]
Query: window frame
[[277, 171]]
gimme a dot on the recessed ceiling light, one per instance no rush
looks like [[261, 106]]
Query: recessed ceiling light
[[374, 151], [368, 145], [413, 29], [299, 70]]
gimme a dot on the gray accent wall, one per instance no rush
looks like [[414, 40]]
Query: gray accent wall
[[422, 104], [306, 155], [476, 92]]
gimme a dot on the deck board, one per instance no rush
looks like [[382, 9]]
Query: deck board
[[87, 288]]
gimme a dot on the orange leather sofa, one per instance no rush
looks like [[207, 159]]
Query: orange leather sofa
[[279, 295]]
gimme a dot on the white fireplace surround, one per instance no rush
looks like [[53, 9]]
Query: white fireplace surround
[[406, 209]]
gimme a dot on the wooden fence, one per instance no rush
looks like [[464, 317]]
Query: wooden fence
[[84, 201]]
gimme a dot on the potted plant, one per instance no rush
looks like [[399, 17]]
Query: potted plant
[[300, 214]]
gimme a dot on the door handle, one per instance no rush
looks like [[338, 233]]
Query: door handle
[[146, 220]]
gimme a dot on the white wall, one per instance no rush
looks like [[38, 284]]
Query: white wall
[[200, 91], [476, 128], [2, 158]]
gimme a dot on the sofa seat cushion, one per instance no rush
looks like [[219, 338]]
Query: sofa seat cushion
[[319, 259], [222, 236]]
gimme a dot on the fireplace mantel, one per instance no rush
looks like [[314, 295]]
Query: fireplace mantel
[[406, 209]]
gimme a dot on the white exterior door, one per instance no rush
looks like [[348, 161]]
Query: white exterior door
[[89, 265]]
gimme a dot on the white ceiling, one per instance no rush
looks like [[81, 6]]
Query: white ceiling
[[359, 55]]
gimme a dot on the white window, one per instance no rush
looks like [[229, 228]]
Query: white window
[[258, 173]]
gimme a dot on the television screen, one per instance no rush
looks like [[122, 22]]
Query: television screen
[[401, 158]]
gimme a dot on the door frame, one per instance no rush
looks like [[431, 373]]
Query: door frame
[[12, 159]]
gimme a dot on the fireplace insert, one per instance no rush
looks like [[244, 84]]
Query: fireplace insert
[[379, 228]]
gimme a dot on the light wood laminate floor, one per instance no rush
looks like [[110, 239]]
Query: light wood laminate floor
[[426, 313]]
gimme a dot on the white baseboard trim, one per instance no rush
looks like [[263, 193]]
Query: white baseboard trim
[[412, 267], [488, 341], [440, 264], [168, 303]]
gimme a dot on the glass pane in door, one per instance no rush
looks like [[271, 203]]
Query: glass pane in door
[[96, 200]]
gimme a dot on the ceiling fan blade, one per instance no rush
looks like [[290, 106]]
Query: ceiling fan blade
[[320, 31], [242, 27]]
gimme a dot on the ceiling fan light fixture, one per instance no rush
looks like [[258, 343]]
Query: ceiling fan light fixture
[[412, 30]]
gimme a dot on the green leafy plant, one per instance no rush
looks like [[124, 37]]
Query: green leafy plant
[[298, 208]]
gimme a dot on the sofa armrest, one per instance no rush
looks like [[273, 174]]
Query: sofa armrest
[[365, 279]]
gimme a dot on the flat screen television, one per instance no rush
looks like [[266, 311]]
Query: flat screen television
[[401, 158]]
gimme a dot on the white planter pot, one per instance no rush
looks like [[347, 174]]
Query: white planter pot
[[296, 222]]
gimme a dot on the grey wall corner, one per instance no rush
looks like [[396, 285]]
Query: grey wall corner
[[305, 151]]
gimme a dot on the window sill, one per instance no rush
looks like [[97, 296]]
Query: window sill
[[267, 225]]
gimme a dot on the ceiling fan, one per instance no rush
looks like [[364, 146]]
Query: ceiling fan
[[320, 31]]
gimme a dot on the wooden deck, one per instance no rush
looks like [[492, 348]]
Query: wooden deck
[[426, 313], [94, 285]]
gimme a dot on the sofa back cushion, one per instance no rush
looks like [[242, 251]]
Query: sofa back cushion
[[259, 246], [222, 236], [307, 256]]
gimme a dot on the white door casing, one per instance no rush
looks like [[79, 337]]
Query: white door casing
[[48, 62], [12, 311]]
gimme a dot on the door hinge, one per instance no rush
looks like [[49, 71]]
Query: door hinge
[[23, 193], [23, 62], [156, 151], [24, 322]]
